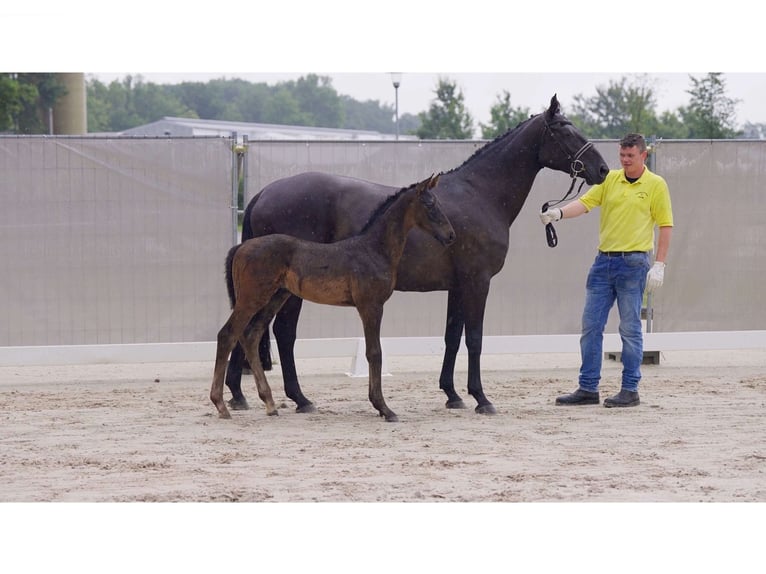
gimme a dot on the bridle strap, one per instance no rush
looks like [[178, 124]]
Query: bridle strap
[[576, 167]]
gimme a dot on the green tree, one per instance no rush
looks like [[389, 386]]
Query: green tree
[[447, 117], [503, 117], [710, 113], [670, 126], [621, 107], [25, 100], [129, 103], [318, 100], [368, 115], [308, 101]]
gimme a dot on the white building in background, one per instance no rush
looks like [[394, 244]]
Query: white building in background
[[189, 127]]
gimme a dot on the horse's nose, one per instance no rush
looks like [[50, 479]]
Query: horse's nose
[[603, 171]]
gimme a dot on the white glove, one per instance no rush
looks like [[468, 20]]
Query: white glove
[[655, 276], [551, 215]]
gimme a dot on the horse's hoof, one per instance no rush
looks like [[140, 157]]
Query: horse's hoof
[[239, 404], [458, 404], [392, 418], [224, 415], [488, 409], [307, 408], [273, 413]]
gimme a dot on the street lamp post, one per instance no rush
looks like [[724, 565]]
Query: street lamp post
[[396, 79]]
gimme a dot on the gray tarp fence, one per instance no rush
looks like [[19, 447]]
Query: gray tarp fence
[[122, 240], [107, 241]]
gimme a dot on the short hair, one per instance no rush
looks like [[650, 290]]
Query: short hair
[[632, 140]]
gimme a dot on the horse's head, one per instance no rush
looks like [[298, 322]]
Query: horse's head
[[429, 215], [566, 149]]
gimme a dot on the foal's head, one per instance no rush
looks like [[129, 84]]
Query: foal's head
[[429, 215]]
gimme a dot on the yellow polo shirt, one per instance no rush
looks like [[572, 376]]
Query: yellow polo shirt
[[629, 211]]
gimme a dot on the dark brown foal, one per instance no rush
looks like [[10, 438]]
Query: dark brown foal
[[359, 271]]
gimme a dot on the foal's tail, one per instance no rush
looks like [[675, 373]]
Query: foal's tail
[[229, 277]]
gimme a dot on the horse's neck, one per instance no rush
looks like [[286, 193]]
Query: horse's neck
[[504, 170]]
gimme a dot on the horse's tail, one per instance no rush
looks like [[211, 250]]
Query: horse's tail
[[247, 228], [229, 275]]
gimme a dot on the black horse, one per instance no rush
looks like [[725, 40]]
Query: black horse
[[481, 197]]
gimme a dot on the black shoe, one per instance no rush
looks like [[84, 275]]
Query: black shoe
[[623, 399], [579, 397]]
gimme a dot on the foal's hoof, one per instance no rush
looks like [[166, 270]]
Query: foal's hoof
[[488, 409], [307, 408], [224, 415], [274, 413], [239, 404], [456, 404]]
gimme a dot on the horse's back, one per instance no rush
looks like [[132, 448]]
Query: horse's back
[[314, 206]]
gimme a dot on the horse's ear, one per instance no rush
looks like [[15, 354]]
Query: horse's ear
[[554, 108], [428, 183]]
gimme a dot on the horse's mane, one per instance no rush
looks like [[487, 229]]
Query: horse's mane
[[384, 205], [510, 134]]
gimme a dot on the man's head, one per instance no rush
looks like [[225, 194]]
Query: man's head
[[633, 154], [634, 140]]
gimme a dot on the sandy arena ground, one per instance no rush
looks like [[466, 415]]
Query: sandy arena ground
[[148, 432]]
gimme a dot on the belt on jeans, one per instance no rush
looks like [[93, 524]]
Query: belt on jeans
[[619, 253]]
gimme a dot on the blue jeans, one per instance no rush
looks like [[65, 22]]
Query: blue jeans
[[620, 278]]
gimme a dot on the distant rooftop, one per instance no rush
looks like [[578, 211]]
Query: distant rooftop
[[188, 127]]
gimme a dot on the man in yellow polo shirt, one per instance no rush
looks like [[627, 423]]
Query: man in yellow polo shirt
[[633, 200]]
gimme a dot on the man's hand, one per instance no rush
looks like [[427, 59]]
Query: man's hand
[[550, 216], [655, 276]]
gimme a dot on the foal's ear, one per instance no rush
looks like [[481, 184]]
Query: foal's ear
[[433, 180]]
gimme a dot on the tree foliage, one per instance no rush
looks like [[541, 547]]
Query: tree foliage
[[503, 117], [447, 117], [710, 113], [25, 100], [626, 105], [621, 107]]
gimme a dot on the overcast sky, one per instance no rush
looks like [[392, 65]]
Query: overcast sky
[[532, 50]]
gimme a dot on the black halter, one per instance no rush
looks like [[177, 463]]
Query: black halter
[[576, 167]]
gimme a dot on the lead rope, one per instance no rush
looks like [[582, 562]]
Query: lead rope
[[576, 167], [550, 232]]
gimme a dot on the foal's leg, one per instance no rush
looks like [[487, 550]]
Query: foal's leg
[[251, 342], [227, 339], [371, 318]]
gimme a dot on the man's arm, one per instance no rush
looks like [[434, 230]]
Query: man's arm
[[663, 243], [571, 209]]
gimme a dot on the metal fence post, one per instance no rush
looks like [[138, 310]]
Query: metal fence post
[[234, 189]]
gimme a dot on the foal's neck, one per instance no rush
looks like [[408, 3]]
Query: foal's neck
[[388, 233]]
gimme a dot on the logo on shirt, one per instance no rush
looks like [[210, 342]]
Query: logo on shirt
[[642, 195]]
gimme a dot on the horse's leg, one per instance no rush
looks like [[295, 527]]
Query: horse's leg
[[473, 311], [237, 402], [264, 350], [227, 338], [285, 330], [371, 318], [452, 335]]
